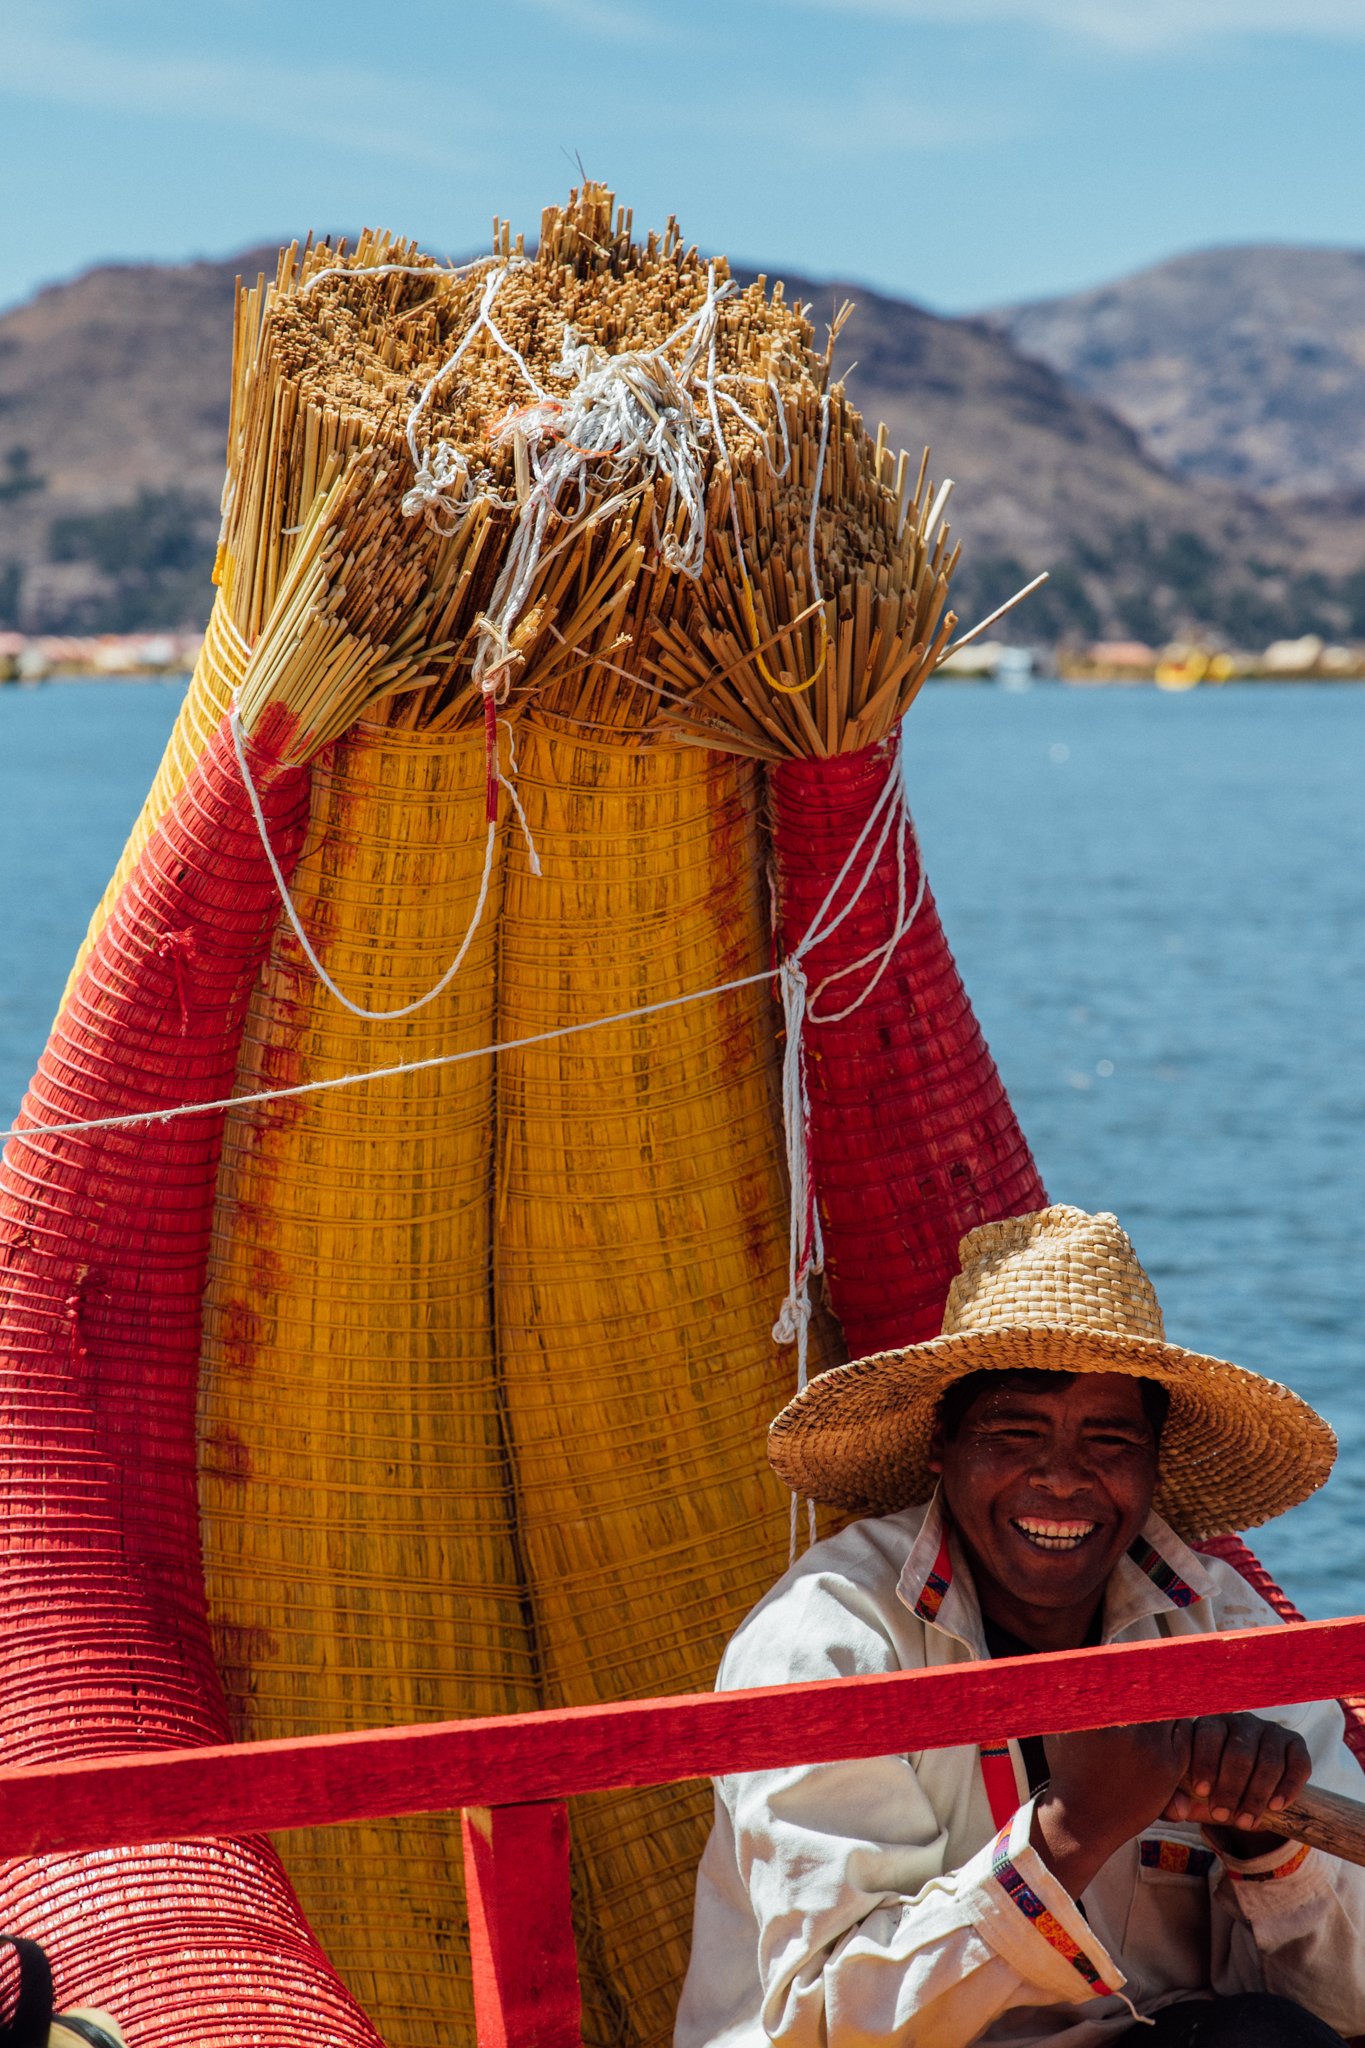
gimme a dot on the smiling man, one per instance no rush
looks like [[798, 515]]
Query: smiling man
[[1022, 1479]]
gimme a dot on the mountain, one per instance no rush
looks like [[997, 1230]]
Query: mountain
[[1049, 477], [113, 411], [113, 423], [1244, 365]]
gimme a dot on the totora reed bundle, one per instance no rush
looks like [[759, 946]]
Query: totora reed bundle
[[912, 1140], [380, 1541], [542, 564]]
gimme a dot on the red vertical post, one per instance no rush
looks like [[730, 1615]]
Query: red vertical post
[[516, 1864]]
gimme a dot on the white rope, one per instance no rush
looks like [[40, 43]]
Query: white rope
[[287, 901], [806, 1252], [439, 273], [137, 1118], [882, 956], [627, 416], [805, 1249], [817, 930], [442, 490]]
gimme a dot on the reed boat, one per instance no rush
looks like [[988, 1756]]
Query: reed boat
[[517, 1047]]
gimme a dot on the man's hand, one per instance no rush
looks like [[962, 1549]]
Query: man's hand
[[1240, 1768], [1223, 1771], [1107, 1785]]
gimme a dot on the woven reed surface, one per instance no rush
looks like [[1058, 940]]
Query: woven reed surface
[[913, 1140], [102, 1613], [355, 1497], [640, 1257], [217, 673]]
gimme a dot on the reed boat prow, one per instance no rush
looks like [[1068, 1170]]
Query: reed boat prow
[[518, 1048]]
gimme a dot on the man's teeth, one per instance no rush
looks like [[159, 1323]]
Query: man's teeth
[[1053, 1535]]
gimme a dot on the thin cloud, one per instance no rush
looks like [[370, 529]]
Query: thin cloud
[[1135, 25], [612, 21], [52, 58], [862, 121]]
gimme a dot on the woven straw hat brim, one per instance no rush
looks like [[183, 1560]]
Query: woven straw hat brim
[[84, 2025], [1237, 1449]]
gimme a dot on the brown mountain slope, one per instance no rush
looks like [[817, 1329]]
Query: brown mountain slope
[[113, 396], [1049, 478], [1244, 365], [113, 393]]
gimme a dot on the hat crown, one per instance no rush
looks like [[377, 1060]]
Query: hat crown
[[1057, 1269]]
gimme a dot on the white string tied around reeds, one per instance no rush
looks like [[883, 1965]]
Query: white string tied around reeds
[[627, 421], [296, 924], [805, 1249]]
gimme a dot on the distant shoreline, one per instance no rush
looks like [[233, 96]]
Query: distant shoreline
[[1044, 678]]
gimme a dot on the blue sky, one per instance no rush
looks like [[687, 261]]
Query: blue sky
[[962, 152]]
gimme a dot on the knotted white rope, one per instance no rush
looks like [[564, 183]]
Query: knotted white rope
[[806, 1253], [805, 1250], [625, 421], [139, 1119], [442, 489]]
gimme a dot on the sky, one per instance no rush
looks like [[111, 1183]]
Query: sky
[[964, 153]]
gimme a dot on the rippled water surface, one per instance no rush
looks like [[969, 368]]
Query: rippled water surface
[[1156, 902]]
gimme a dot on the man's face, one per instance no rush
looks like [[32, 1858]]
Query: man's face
[[1047, 1487]]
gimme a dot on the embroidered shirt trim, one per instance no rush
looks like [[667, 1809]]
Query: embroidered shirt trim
[[1285, 1869], [1163, 1576], [1183, 1858], [935, 1588], [1022, 1895], [1002, 1787]]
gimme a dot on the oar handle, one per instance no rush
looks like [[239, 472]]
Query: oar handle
[[1326, 1820]]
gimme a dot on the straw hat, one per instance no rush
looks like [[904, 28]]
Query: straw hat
[[86, 2027], [1061, 1290]]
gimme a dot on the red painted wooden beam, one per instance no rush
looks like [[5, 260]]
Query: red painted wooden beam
[[521, 1945], [514, 1758]]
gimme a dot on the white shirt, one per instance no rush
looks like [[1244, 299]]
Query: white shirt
[[881, 1900]]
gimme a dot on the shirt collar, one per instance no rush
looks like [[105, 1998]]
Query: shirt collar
[[1159, 1574]]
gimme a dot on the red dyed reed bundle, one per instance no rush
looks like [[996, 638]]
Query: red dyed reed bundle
[[912, 1138], [104, 1641]]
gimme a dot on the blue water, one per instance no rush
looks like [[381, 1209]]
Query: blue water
[[1156, 904]]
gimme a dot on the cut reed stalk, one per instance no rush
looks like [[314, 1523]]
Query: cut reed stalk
[[865, 632]]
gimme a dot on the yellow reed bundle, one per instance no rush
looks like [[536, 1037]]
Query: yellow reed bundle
[[641, 1248], [640, 1257], [320, 378], [356, 1509], [422, 1495]]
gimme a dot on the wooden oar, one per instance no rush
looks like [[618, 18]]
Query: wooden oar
[[1326, 1820]]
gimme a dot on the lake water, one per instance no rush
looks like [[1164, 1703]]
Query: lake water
[[1156, 902]]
